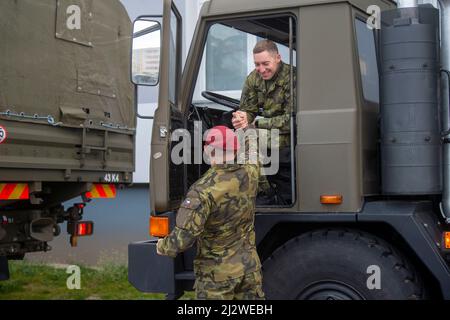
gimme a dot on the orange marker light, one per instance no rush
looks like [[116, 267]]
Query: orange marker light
[[447, 240], [331, 199], [159, 226]]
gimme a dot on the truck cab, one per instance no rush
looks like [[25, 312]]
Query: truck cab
[[366, 217]]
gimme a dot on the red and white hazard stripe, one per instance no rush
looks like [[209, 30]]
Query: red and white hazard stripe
[[14, 191], [102, 191]]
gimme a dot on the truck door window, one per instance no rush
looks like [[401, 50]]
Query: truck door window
[[226, 59], [368, 62]]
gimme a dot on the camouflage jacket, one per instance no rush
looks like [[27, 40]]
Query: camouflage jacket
[[269, 99], [218, 212]]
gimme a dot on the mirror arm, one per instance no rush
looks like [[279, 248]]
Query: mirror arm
[[147, 31], [144, 117]]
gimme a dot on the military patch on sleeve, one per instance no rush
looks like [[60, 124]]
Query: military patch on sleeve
[[188, 209], [191, 203]]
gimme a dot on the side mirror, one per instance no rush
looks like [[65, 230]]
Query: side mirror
[[146, 52]]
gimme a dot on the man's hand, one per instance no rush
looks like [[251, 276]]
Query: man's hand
[[240, 120], [157, 248]]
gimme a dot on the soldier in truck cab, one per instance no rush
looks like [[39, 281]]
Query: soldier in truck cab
[[266, 93], [218, 213]]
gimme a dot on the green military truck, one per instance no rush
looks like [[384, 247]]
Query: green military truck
[[370, 143], [67, 117]]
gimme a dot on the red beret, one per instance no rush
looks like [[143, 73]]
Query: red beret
[[222, 137]]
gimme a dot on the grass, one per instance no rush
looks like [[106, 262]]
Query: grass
[[34, 281]]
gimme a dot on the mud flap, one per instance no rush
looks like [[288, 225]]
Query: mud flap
[[150, 272], [4, 269]]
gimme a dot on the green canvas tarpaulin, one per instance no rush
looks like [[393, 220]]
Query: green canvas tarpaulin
[[67, 59], [66, 99]]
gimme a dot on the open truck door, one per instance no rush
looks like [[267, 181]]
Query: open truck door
[[157, 50], [167, 178], [163, 173]]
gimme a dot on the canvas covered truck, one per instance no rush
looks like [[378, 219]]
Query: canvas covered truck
[[369, 215], [67, 117]]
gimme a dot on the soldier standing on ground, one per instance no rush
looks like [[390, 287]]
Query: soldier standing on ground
[[218, 213], [266, 93]]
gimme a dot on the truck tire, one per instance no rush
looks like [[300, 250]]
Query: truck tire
[[339, 265]]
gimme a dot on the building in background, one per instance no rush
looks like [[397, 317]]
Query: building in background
[[146, 60]]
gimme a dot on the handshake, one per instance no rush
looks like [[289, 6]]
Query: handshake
[[240, 120]]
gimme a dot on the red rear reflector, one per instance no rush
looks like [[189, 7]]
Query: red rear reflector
[[102, 191], [80, 205], [84, 228], [14, 191]]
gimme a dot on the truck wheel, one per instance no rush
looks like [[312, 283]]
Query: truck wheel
[[339, 265]]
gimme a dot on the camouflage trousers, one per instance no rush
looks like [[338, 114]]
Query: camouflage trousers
[[247, 287]]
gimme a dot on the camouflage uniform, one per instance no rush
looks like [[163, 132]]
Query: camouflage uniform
[[269, 99], [218, 213]]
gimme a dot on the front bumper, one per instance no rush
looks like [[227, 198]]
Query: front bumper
[[150, 272]]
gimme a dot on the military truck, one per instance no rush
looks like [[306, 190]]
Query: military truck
[[67, 117], [369, 218]]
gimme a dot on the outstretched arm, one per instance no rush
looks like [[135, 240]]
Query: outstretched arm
[[190, 223]]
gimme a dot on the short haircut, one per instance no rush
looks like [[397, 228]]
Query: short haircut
[[265, 45]]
